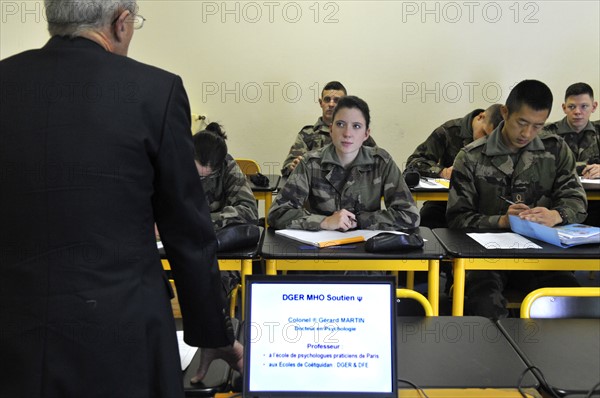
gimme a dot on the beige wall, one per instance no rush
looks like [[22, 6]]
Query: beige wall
[[258, 67]]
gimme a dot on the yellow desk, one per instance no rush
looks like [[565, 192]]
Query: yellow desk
[[282, 254], [266, 193], [433, 195], [467, 254], [267, 196]]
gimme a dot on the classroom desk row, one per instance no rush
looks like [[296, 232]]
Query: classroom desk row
[[476, 357], [592, 191], [284, 254], [419, 194]]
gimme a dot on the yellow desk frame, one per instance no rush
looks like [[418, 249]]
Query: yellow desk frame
[[443, 195], [461, 265], [333, 264], [243, 266], [438, 196], [267, 196]]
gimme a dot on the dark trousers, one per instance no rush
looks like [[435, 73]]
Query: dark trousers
[[593, 217], [484, 289], [433, 214]]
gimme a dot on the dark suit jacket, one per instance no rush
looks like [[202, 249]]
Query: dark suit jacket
[[94, 147]]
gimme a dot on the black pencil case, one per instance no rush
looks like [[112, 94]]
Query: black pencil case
[[387, 242]]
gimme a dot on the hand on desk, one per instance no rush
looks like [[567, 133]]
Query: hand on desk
[[447, 172], [232, 355], [341, 220], [591, 171]]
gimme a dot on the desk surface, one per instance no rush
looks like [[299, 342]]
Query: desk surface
[[457, 352], [275, 246], [567, 351], [458, 244]]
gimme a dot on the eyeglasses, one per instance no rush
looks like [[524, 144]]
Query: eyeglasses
[[138, 21]]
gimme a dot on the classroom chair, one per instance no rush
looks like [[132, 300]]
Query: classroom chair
[[562, 302], [248, 166], [413, 295]]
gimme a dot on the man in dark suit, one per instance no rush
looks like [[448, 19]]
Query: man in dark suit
[[95, 148]]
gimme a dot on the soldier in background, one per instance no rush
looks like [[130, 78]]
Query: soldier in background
[[342, 183], [316, 136], [535, 172], [435, 156], [230, 198], [581, 136]]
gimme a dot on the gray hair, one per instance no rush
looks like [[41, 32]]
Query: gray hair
[[73, 17]]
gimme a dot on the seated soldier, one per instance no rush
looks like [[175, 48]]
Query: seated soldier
[[535, 172], [435, 156], [340, 186], [316, 136], [581, 136], [227, 191]]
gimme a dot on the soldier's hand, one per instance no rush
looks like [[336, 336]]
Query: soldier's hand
[[446, 172], [295, 163], [591, 171], [342, 220], [513, 210], [542, 215]]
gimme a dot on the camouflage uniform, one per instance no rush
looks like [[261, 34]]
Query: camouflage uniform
[[544, 175], [541, 174], [319, 186], [436, 153], [585, 146], [229, 196], [311, 138]]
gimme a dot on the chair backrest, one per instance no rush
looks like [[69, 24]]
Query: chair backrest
[[411, 294], [562, 302], [248, 166]]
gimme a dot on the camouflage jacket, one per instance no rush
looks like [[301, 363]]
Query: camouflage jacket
[[311, 138], [319, 186], [441, 147], [229, 196], [544, 175], [585, 144]]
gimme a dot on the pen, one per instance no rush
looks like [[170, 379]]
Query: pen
[[506, 200]]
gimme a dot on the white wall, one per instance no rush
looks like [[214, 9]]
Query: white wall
[[258, 67]]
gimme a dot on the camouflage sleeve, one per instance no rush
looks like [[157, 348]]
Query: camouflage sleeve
[[462, 210], [425, 159], [240, 204], [400, 212], [288, 209], [568, 196], [299, 148]]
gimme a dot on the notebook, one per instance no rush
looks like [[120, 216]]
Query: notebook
[[320, 336], [562, 236]]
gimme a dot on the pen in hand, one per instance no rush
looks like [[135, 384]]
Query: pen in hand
[[507, 200]]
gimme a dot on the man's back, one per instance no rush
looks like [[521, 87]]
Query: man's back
[[92, 152]]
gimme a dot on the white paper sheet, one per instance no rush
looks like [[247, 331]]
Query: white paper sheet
[[590, 181], [503, 240], [186, 352], [433, 183]]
